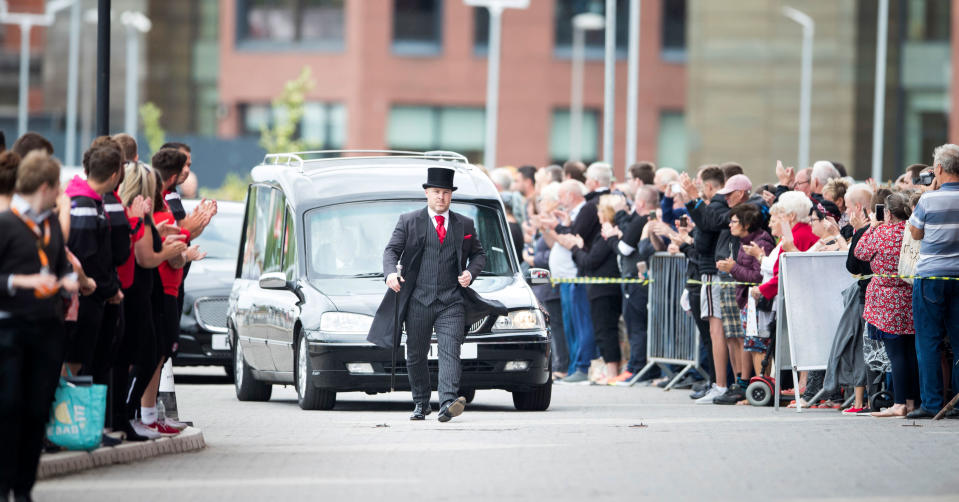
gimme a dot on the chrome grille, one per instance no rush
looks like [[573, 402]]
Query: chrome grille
[[211, 313]]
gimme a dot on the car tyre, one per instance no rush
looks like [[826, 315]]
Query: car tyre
[[309, 397], [247, 387], [534, 400]]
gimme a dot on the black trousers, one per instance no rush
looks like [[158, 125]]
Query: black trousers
[[605, 312], [31, 353], [558, 333], [905, 367], [636, 316], [449, 322], [705, 342], [141, 349], [105, 357]]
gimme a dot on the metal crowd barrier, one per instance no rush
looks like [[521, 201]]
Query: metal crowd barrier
[[673, 338]]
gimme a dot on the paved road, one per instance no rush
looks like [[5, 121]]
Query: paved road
[[593, 444]]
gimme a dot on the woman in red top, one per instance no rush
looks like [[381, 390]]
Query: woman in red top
[[792, 209], [889, 303]]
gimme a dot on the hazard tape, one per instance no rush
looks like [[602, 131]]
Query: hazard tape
[[897, 276], [632, 280]]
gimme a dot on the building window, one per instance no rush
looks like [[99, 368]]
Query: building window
[[928, 20], [459, 129], [417, 27], [560, 140], [323, 124], [278, 23], [671, 144], [596, 39], [674, 30], [480, 29]]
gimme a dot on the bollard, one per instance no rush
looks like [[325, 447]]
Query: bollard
[[166, 398]]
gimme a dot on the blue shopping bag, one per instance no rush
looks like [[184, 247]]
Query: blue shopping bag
[[77, 415]]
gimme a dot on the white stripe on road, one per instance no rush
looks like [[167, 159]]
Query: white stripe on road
[[180, 483]]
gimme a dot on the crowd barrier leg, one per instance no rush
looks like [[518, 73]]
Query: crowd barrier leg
[[673, 338]]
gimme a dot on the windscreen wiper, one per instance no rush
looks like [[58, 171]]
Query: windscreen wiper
[[369, 274]]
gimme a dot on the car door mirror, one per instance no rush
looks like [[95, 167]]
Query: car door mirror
[[273, 280], [537, 276]]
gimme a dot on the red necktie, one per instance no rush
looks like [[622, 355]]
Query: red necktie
[[440, 229]]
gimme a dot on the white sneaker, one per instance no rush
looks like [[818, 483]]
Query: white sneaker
[[713, 392], [145, 430]]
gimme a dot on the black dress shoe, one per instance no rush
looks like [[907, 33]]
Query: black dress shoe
[[919, 414], [420, 411], [452, 409]]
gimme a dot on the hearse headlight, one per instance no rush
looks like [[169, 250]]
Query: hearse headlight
[[520, 320], [345, 323]]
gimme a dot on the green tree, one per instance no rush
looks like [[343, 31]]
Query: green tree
[[233, 188], [156, 136], [287, 113]]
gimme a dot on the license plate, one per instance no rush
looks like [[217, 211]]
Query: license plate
[[218, 342], [467, 351]]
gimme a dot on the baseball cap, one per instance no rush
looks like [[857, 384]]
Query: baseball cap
[[737, 182]]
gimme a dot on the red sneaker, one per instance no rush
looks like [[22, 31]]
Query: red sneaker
[[854, 411], [165, 430]]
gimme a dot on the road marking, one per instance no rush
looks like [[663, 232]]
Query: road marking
[[180, 483]]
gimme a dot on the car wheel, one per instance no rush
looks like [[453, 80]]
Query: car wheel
[[307, 395], [247, 387], [469, 394], [534, 400]]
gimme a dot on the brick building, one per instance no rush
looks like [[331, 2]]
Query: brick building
[[412, 74]]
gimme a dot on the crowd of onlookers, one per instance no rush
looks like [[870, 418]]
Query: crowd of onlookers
[[91, 277], [902, 240]]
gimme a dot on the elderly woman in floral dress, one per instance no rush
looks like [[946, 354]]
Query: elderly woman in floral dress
[[889, 303]]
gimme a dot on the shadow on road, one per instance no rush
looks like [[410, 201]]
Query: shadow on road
[[359, 404], [202, 379]]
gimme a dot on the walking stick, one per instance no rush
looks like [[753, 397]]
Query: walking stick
[[396, 328]]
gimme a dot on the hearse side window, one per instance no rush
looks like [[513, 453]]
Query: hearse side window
[[273, 241], [289, 248], [347, 240]]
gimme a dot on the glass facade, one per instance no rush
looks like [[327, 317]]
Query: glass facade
[[596, 39], [671, 149], [323, 125], [560, 139], [417, 27], [278, 23], [460, 129]]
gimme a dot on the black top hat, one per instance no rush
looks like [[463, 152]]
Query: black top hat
[[439, 177]]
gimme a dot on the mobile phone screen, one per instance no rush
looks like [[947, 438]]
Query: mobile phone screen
[[880, 212]]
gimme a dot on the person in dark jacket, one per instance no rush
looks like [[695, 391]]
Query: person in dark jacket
[[711, 219], [34, 271], [90, 241], [605, 300]]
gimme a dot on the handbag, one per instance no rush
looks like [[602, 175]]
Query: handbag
[[78, 414], [908, 255]]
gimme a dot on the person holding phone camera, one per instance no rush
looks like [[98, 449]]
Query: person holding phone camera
[[935, 302]]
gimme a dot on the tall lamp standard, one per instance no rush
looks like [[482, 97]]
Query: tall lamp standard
[[135, 23], [495, 8], [27, 21], [587, 21], [805, 86]]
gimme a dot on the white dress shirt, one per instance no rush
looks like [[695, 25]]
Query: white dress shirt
[[445, 215]]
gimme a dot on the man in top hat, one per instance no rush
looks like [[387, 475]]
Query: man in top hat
[[441, 256]]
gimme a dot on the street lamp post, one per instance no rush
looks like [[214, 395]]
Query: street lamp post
[[805, 87], [879, 100], [587, 21], [632, 85], [609, 93], [495, 9], [27, 21], [135, 23]]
